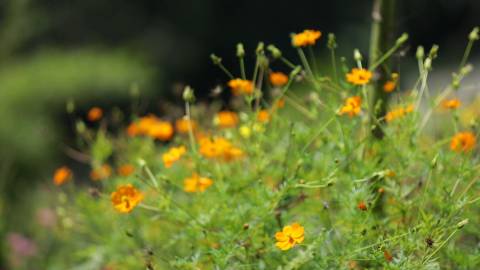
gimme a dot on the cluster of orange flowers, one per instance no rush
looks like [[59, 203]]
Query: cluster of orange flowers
[[306, 38], [184, 125], [219, 148], [359, 76], [125, 198], [151, 126], [352, 106], [290, 236], [463, 142], [241, 87], [196, 183], [398, 113], [173, 155]]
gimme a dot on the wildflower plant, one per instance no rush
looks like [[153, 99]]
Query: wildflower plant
[[289, 176]]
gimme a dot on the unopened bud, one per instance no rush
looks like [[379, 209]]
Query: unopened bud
[[188, 94], [215, 59], [357, 55], [474, 34], [434, 162], [276, 53], [428, 63], [420, 53], [260, 48], [433, 51], [240, 50], [295, 71], [80, 126], [464, 71], [332, 42], [402, 39]]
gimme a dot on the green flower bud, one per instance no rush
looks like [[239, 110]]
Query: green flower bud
[[188, 94], [276, 53], [357, 55], [462, 223], [420, 53], [474, 34], [260, 48], [80, 126], [433, 51], [240, 50], [215, 59], [402, 39], [428, 63], [332, 43]]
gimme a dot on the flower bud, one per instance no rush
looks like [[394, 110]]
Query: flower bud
[[260, 48], [474, 34], [295, 71], [402, 39], [357, 55], [464, 71], [215, 59], [428, 63], [420, 53], [433, 51], [276, 53], [240, 50], [80, 126], [332, 43], [188, 94]]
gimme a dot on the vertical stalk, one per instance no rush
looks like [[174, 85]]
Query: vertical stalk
[[382, 38]]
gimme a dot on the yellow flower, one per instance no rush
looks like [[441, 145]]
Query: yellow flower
[[245, 131], [240, 86], [126, 170], [219, 148], [451, 103], [125, 198], [306, 38], [463, 142], [352, 106], [226, 119], [183, 125], [290, 236], [101, 172], [173, 155], [398, 113], [278, 79], [196, 183], [94, 114], [62, 175], [263, 116], [359, 76], [161, 130]]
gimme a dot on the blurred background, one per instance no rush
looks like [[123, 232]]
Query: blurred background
[[95, 52]]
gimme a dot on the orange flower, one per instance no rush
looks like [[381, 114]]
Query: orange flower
[[126, 170], [398, 113], [132, 130], [391, 84], [263, 116], [388, 257], [362, 206], [463, 142], [352, 106], [226, 119], [279, 104], [240, 86], [183, 125], [278, 79], [145, 124], [196, 183], [125, 198], [94, 114], [290, 236], [219, 148], [161, 130], [101, 172], [173, 155], [359, 76], [451, 103], [306, 38], [62, 175]]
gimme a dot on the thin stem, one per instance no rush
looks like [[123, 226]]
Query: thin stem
[[466, 54], [225, 70], [242, 68]]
